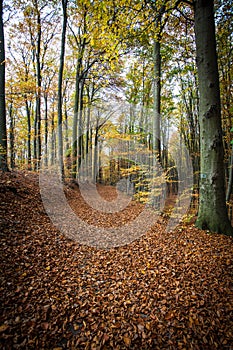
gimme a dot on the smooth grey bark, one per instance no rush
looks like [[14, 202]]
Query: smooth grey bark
[[66, 130], [3, 131], [159, 25], [65, 98], [46, 129], [88, 149], [87, 155], [74, 129], [95, 158], [36, 59], [60, 80], [39, 85], [76, 115], [157, 99], [78, 83], [12, 136], [74, 141], [212, 214], [53, 138], [28, 112], [80, 124], [35, 151]]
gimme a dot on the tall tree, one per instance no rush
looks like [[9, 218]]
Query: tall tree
[[212, 213], [37, 49], [60, 79], [3, 132]]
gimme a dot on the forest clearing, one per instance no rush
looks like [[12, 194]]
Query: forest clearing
[[162, 291]]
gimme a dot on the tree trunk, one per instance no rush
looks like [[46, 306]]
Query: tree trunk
[[12, 136], [46, 129], [60, 78], [28, 112], [157, 100], [35, 151], [38, 95], [80, 124], [67, 145], [3, 132], [53, 138], [95, 160], [87, 151], [75, 122], [212, 213]]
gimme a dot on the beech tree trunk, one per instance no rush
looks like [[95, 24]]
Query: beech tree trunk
[[157, 100], [60, 80], [39, 86], [95, 160], [12, 136], [46, 129], [75, 126], [212, 213], [28, 112], [3, 133]]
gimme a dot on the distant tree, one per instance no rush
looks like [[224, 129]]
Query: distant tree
[[3, 132], [212, 213]]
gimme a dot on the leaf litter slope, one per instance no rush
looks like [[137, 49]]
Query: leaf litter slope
[[163, 291]]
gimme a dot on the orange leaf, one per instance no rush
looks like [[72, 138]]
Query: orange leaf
[[127, 340]]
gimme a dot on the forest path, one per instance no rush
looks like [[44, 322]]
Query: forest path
[[162, 291]]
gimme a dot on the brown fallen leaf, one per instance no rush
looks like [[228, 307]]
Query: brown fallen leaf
[[140, 328], [3, 327], [127, 297], [127, 340], [45, 325]]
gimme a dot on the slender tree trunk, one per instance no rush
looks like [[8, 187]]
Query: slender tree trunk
[[53, 139], [12, 136], [131, 118], [38, 129], [77, 147], [95, 159], [87, 150], [157, 100], [78, 82], [35, 151], [38, 96], [60, 79], [46, 129], [212, 213], [67, 145], [28, 112], [75, 126], [80, 124], [141, 120], [3, 132], [90, 152]]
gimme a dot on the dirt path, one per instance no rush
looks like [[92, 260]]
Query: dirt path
[[162, 291]]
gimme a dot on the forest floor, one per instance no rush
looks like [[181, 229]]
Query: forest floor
[[162, 291]]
